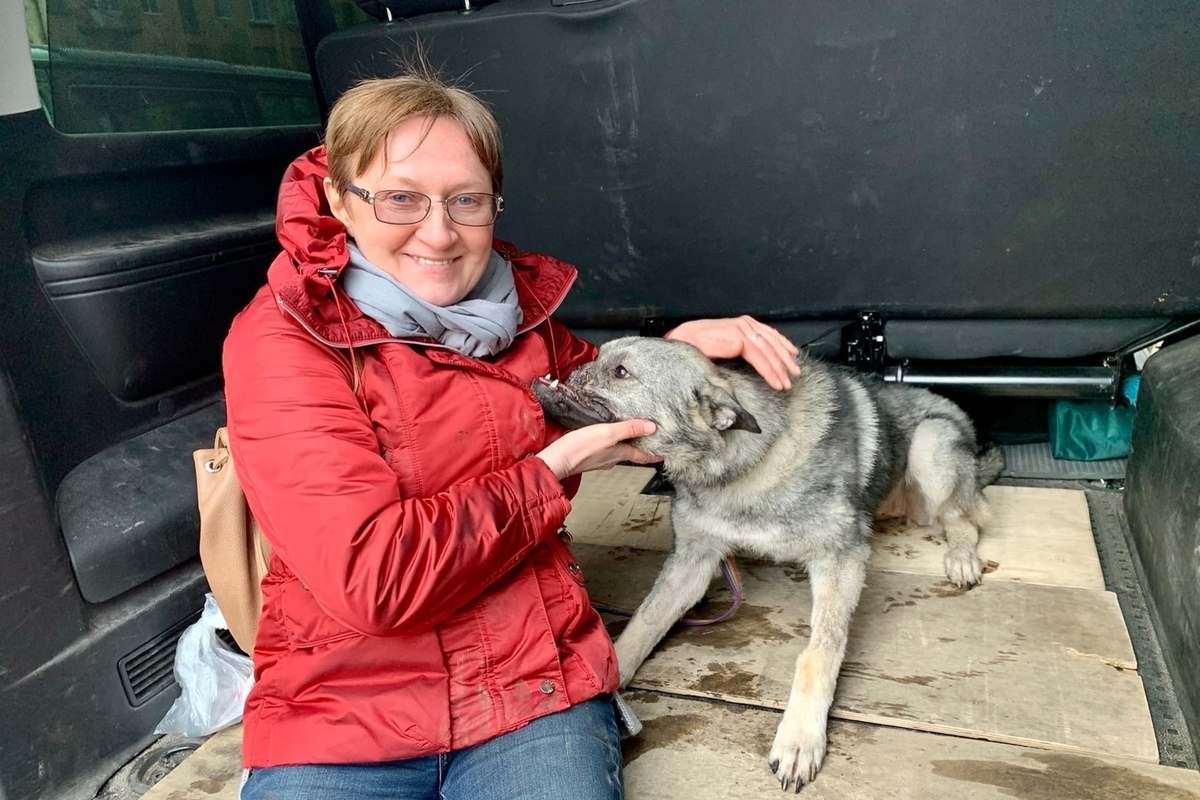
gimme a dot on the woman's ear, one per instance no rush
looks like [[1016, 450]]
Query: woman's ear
[[337, 205]]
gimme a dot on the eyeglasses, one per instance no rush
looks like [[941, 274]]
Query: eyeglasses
[[402, 207]]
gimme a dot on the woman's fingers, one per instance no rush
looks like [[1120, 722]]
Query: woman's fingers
[[597, 447], [629, 429], [619, 448], [635, 456], [771, 353]]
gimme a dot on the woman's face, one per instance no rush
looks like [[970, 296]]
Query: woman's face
[[438, 260]]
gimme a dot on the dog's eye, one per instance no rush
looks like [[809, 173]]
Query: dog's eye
[[620, 372]]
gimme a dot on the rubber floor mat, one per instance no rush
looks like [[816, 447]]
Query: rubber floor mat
[[1035, 461]]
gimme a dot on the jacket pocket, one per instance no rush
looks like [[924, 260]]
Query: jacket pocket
[[304, 621], [564, 559]]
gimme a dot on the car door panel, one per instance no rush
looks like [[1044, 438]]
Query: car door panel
[[123, 259]]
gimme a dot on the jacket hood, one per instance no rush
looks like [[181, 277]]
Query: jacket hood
[[304, 276], [310, 235]]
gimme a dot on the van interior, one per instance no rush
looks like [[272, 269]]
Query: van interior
[[1000, 202]]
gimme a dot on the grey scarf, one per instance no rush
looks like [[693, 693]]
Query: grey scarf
[[481, 324]]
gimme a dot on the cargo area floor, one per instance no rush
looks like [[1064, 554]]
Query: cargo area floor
[[1043, 682]]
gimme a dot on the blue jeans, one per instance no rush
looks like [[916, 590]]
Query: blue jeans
[[572, 754]]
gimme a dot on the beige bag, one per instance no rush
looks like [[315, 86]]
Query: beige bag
[[232, 548]]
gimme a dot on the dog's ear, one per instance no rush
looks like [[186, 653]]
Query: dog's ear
[[723, 412]]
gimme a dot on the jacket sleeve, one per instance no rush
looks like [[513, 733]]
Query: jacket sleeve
[[330, 505], [569, 351]]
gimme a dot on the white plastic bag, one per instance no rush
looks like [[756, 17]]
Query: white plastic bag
[[215, 679]]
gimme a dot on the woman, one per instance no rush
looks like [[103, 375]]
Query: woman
[[425, 632]]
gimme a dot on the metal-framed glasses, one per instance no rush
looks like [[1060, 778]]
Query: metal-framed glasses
[[404, 207]]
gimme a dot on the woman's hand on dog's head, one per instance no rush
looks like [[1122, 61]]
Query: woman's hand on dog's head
[[771, 353], [598, 447]]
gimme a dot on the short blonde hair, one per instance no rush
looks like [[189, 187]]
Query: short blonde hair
[[362, 118]]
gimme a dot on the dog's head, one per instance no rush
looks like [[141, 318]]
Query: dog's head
[[668, 382]]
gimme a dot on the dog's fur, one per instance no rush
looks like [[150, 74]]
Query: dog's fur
[[795, 476]]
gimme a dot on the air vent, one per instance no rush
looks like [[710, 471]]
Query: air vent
[[148, 670], [227, 637]]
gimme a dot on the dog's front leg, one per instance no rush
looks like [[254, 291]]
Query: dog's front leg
[[679, 586], [799, 747]]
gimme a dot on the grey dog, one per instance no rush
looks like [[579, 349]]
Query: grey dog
[[794, 476]]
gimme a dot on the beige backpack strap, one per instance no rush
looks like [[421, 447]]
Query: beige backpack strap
[[233, 552]]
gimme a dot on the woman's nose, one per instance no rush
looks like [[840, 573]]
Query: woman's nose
[[437, 229]]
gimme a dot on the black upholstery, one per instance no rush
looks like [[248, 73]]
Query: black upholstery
[[928, 161], [406, 9]]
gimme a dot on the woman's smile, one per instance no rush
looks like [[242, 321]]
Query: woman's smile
[[431, 262]]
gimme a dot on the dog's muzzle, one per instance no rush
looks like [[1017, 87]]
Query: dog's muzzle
[[568, 407]]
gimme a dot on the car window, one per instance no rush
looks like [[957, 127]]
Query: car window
[[159, 65]]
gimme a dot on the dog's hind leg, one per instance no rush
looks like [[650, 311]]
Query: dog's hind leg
[[684, 577], [942, 466], [799, 748]]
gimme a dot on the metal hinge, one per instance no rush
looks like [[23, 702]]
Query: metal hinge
[[865, 348]]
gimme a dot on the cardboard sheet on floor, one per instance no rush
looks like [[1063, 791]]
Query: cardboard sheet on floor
[[1008, 662], [214, 772], [693, 748], [610, 509], [690, 748], [1036, 535]]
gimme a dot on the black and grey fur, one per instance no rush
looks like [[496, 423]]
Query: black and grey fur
[[794, 476]]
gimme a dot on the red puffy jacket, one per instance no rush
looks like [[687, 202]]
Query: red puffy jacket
[[419, 599]]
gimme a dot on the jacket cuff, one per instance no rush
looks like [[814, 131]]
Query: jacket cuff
[[546, 505]]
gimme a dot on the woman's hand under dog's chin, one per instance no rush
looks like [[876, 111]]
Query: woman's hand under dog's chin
[[598, 447]]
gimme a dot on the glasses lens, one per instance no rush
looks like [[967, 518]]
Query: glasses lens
[[401, 207], [472, 209]]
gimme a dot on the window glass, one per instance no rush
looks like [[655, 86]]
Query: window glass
[[188, 16], [158, 65], [260, 12]]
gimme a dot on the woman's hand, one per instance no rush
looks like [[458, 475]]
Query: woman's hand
[[763, 347], [597, 447]]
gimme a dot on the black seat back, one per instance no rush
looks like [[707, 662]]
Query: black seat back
[[1020, 161]]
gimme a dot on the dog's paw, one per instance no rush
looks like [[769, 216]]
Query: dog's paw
[[963, 567], [798, 750]]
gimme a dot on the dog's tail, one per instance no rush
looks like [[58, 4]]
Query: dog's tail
[[988, 465]]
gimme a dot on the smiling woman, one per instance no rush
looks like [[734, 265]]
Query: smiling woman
[[389, 364]]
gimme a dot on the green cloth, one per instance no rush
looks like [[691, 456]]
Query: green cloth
[[1089, 430]]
